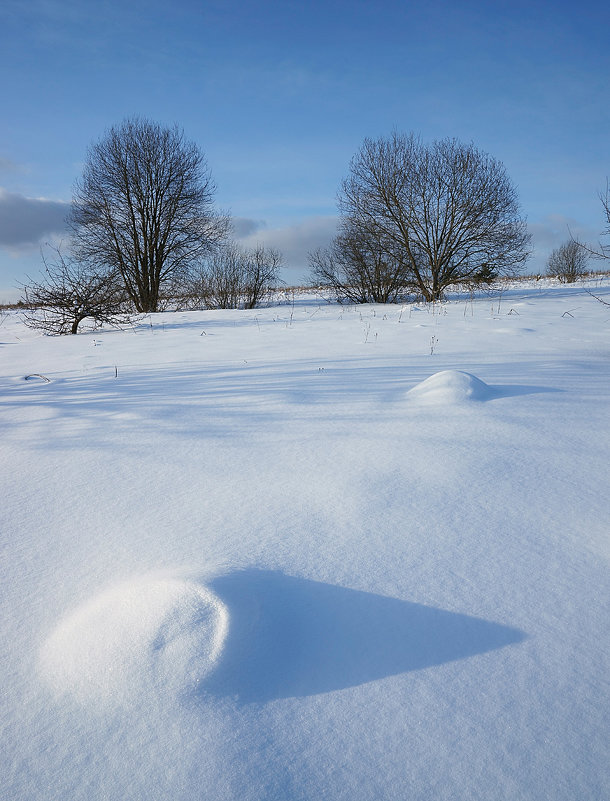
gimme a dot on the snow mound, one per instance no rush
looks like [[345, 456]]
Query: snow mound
[[450, 386], [162, 634]]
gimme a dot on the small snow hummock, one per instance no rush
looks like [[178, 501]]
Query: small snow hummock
[[450, 386], [163, 634]]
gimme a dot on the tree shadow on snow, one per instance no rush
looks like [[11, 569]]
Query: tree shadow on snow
[[292, 637]]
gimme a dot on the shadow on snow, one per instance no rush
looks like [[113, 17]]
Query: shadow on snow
[[292, 637]]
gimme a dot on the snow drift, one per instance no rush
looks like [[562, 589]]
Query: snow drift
[[142, 635], [450, 386]]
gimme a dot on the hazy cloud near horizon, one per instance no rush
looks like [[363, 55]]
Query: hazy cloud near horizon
[[295, 241], [25, 221], [551, 232], [244, 226]]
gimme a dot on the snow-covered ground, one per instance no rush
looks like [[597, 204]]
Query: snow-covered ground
[[309, 551]]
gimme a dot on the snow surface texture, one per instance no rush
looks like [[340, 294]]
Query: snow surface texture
[[309, 551]]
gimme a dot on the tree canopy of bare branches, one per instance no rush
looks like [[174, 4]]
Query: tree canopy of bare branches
[[428, 216], [71, 292], [144, 208]]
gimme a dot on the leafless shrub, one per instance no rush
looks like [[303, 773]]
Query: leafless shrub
[[568, 262], [262, 268], [358, 268], [71, 292], [234, 278]]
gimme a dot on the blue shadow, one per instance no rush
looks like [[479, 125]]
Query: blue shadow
[[291, 637]]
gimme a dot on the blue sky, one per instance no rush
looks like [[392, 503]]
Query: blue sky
[[280, 95]]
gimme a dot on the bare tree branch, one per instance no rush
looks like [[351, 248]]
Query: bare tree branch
[[603, 251]]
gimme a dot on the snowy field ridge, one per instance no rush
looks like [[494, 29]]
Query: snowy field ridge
[[310, 551]]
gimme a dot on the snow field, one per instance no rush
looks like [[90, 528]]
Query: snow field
[[293, 554]]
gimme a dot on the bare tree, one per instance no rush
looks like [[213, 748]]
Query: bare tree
[[569, 261], [71, 292], [143, 208], [444, 213]]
